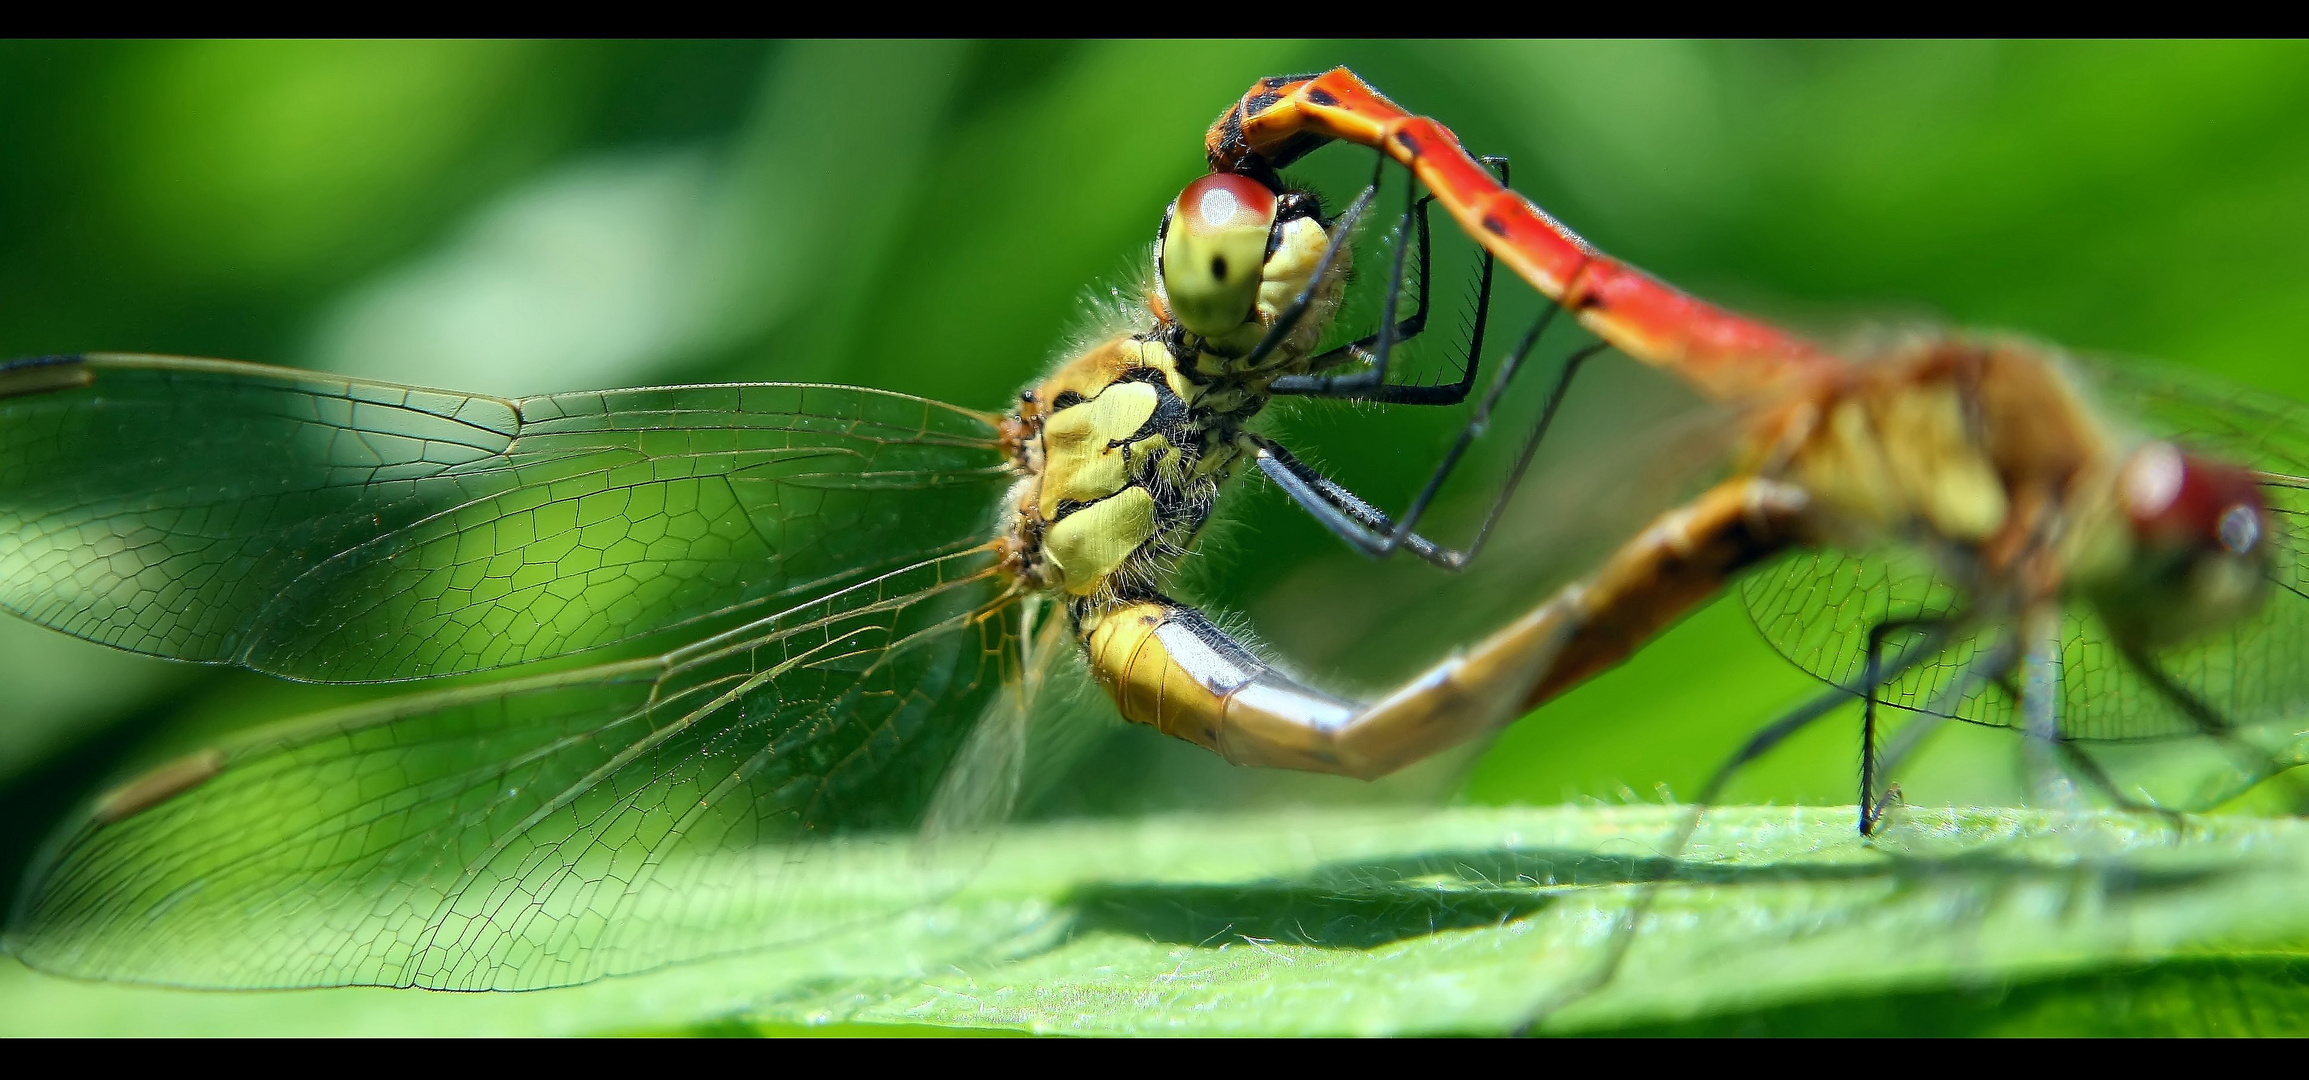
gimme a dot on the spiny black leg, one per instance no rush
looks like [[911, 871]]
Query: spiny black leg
[[1623, 933], [1759, 744], [1991, 667], [1384, 348], [1370, 384], [1357, 528], [1354, 519], [1377, 349], [1349, 517], [1481, 419], [1802, 716], [1342, 227], [1872, 676], [1868, 732]]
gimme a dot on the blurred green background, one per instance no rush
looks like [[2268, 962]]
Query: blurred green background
[[522, 217]]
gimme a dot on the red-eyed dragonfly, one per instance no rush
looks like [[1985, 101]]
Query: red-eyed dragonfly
[[825, 611], [819, 616], [2100, 555]]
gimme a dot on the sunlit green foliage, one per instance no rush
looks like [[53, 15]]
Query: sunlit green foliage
[[1462, 921]]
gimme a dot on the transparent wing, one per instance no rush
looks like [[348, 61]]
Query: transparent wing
[[2253, 677], [324, 528], [755, 788], [2240, 424], [2236, 424], [1816, 608], [980, 790]]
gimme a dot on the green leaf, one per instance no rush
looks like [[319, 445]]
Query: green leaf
[[1777, 920]]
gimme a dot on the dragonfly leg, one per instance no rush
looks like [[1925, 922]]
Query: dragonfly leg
[[1872, 676], [1363, 526], [1372, 532], [1374, 350], [1623, 932], [2055, 761], [1726, 355], [2040, 702], [1168, 666], [1992, 667], [1343, 226], [2254, 762]]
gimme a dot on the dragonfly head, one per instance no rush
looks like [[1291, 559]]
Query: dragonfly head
[[1216, 237], [1233, 255], [2189, 551]]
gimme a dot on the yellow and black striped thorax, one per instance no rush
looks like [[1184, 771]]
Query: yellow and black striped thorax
[[1122, 451], [1123, 448]]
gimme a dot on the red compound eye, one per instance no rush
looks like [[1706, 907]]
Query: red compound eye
[[1224, 201], [2179, 498], [1214, 252]]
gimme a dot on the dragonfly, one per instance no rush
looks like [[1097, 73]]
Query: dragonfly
[[827, 610], [708, 652], [2103, 556]]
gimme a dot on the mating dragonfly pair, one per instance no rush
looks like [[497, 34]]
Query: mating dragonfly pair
[[828, 610]]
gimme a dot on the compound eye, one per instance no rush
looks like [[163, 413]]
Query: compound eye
[[2200, 532], [2177, 499], [1214, 252]]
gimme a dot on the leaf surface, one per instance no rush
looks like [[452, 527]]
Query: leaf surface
[[1459, 921]]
